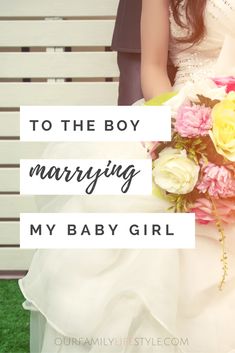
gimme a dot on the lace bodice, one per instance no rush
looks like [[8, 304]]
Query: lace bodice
[[200, 60]]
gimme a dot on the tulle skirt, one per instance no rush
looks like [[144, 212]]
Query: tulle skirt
[[128, 300]]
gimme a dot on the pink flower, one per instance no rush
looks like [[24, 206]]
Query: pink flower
[[151, 148], [228, 81], [218, 181], [193, 121], [204, 211]]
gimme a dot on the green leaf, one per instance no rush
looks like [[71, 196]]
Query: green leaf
[[196, 142], [159, 100], [158, 192]]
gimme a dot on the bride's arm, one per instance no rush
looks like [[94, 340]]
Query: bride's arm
[[226, 60], [154, 47], [222, 12]]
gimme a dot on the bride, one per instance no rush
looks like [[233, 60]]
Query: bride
[[141, 301]]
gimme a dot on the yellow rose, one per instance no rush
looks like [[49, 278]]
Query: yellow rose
[[174, 172], [223, 131]]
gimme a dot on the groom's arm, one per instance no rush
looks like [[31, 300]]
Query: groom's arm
[[126, 41], [154, 47]]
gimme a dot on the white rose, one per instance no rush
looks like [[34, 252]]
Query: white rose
[[174, 172]]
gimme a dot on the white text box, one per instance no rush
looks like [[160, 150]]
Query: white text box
[[85, 176], [107, 230], [95, 123]]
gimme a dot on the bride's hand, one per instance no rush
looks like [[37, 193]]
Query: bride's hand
[[225, 65]]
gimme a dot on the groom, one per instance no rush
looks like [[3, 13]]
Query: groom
[[126, 41]]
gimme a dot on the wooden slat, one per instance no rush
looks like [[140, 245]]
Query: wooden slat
[[9, 180], [97, 93], [15, 274], [56, 33], [12, 151], [62, 8], [12, 205], [9, 124], [15, 259], [9, 233], [58, 65]]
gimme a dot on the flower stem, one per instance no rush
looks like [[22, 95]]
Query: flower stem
[[222, 241]]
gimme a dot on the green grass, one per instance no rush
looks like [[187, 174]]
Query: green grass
[[14, 320]]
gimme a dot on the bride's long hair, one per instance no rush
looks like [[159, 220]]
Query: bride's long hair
[[194, 10]]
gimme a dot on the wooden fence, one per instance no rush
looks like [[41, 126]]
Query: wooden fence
[[52, 52]]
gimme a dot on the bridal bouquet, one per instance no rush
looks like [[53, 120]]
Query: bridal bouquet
[[196, 170]]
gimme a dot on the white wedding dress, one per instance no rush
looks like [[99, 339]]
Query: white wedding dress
[[132, 294]]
